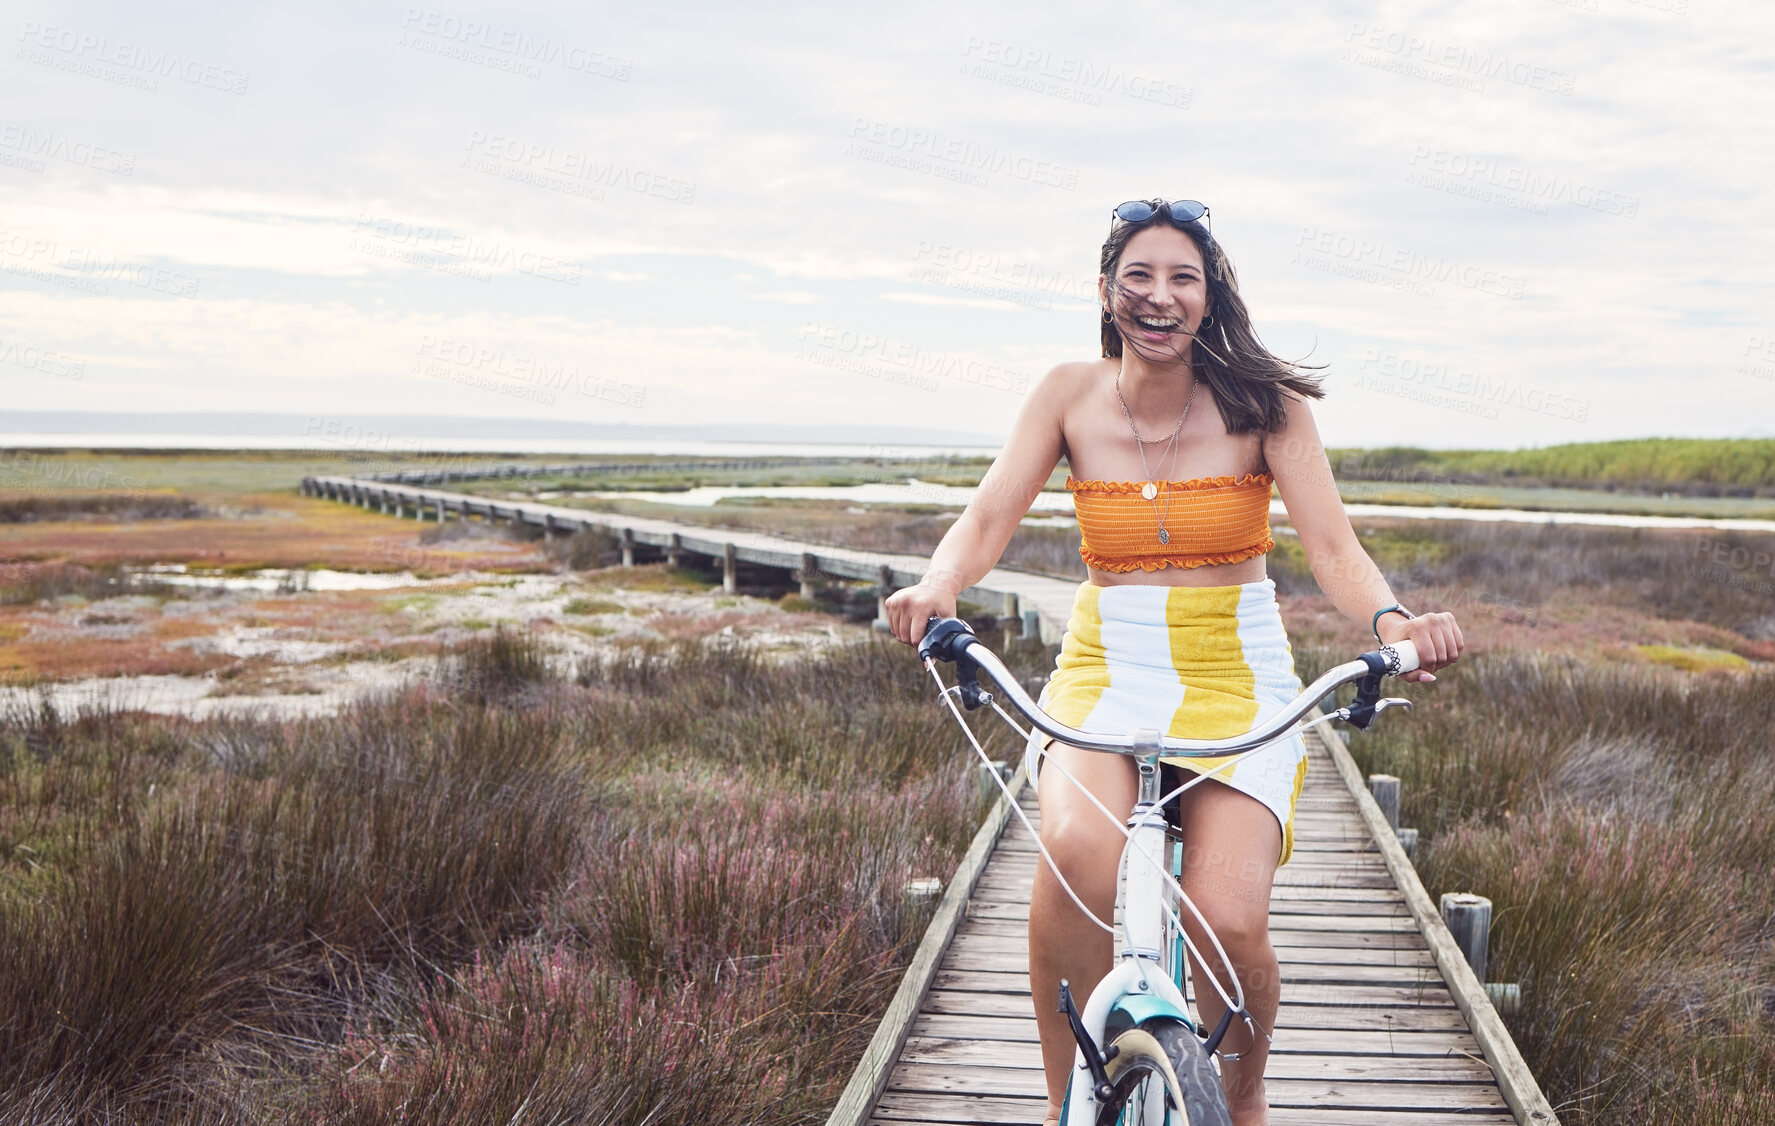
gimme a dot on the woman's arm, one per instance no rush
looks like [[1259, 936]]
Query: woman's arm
[[1296, 457], [973, 544]]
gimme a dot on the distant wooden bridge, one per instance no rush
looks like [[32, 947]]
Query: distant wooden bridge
[[1042, 603], [1383, 1021]]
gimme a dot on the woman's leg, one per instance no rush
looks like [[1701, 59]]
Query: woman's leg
[[1063, 943], [1231, 846]]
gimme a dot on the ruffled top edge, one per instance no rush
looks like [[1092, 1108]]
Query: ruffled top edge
[[1121, 565], [1226, 481]]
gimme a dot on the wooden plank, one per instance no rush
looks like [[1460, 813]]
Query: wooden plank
[[971, 1110], [989, 972], [1004, 994], [963, 1111], [1515, 1081], [871, 1074], [1397, 1018], [1354, 1093], [1334, 1116], [973, 1079], [1320, 1041], [975, 943], [927, 1064], [1019, 912]]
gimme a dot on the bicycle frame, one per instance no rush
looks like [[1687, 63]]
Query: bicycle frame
[[1141, 984], [1146, 980]]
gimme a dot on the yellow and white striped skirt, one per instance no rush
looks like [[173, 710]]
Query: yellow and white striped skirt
[[1192, 662]]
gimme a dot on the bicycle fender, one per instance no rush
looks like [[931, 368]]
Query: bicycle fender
[[1121, 991], [1141, 1007]]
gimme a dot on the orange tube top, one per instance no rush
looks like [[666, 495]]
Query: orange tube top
[[1211, 520]]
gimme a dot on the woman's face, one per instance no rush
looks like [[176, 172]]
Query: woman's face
[[1159, 294]]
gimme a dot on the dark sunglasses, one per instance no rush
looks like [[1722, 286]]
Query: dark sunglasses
[[1139, 211]]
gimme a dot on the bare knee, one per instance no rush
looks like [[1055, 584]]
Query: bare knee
[[1087, 859], [1243, 930]]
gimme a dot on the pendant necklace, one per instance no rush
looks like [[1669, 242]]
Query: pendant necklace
[[1150, 487]]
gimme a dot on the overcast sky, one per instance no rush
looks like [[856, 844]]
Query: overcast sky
[[1500, 224]]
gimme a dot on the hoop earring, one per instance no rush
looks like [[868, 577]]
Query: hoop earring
[[1106, 317], [1207, 321]]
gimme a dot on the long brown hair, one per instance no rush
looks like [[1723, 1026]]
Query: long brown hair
[[1246, 378]]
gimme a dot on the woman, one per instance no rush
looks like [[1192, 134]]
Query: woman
[[1177, 627]]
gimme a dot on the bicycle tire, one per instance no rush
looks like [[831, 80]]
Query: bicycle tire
[[1147, 1059]]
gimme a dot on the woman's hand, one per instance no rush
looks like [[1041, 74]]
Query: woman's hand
[[910, 608], [1437, 637]]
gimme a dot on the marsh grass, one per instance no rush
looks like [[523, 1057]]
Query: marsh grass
[[1622, 821], [665, 888], [495, 667], [33, 508], [24, 584], [1665, 574]]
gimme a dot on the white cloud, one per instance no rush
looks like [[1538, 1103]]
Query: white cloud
[[674, 226]]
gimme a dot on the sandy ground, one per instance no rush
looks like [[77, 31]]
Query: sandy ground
[[252, 649]]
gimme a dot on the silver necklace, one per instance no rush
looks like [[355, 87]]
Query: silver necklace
[[1150, 487]]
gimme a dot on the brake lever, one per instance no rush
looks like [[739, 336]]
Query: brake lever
[[1360, 712], [967, 679]]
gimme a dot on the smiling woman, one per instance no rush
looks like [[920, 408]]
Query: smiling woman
[[1177, 629]]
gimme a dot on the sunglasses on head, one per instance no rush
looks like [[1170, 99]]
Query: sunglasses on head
[[1182, 211]]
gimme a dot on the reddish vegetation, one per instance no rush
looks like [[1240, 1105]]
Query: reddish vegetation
[[281, 531]]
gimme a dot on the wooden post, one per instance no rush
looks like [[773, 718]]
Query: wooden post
[[1506, 996], [882, 590], [1010, 605], [808, 570], [674, 550], [990, 775], [1408, 840], [628, 547], [1385, 788], [730, 570], [1469, 920], [442, 515], [1032, 625]]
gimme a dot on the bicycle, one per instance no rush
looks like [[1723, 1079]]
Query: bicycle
[[1142, 1060]]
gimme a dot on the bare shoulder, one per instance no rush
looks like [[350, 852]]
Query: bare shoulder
[[1298, 439], [1065, 382], [1074, 372]]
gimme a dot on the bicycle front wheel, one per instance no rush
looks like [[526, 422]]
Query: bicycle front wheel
[[1160, 1076]]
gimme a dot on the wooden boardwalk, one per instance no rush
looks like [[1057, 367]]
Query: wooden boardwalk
[[1368, 1032], [1050, 598], [1382, 1022]]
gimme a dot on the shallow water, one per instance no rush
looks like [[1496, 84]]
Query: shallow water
[[952, 496], [274, 579]]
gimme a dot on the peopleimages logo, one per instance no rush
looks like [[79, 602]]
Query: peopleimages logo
[[136, 65], [1064, 76], [561, 169], [515, 373], [1445, 385], [1536, 189], [901, 361], [435, 248], [1448, 64], [931, 151], [504, 48], [37, 147], [1397, 267]]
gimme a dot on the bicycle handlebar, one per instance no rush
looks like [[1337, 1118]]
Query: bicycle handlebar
[[950, 639]]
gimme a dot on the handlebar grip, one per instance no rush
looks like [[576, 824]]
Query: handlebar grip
[[944, 639], [1407, 657]]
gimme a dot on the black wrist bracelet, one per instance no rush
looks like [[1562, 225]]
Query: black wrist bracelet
[[1395, 608]]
